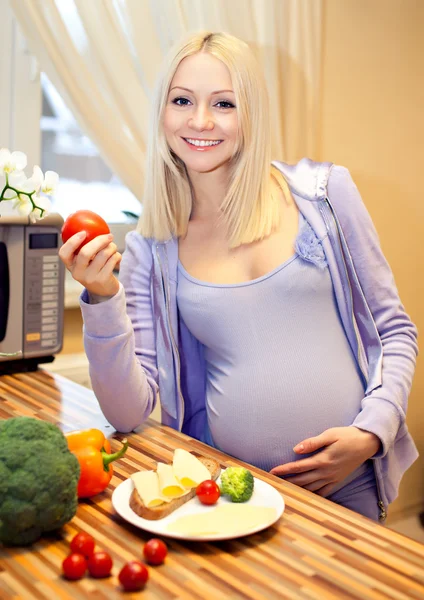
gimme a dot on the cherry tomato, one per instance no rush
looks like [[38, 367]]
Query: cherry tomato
[[74, 566], [155, 551], [208, 492], [83, 543], [133, 576], [100, 564], [84, 220]]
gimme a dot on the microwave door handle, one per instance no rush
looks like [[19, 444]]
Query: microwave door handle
[[4, 290]]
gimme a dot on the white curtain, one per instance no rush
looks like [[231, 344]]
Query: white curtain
[[103, 56]]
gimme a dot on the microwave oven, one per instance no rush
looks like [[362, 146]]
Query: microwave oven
[[32, 278]]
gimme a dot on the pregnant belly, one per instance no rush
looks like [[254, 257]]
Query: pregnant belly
[[259, 419]]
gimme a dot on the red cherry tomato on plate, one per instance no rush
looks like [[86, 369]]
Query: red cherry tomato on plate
[[83, 543], [208, 492], [155, 551], [84, 220], [100, 564], [74, 566], [133, 576]]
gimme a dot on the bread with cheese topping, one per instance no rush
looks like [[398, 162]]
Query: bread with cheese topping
[[153, 513]]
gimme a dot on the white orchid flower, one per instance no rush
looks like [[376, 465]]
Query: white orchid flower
[[37, 178], [23, 205], [50, 183], [12, 161], [43, 203], [12, 176], [29, 186], [46, 183], [34, 183], [8, 194], [17, 179]]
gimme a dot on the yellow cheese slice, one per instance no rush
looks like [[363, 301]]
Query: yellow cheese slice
[[147, 485], [224, 519], [169, 486], [188, 469]]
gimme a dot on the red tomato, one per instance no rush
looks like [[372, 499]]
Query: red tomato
[[84, 220], [133, 576], [155, 551], [100, 564], [83, 543], [74, 566], [208, 492]]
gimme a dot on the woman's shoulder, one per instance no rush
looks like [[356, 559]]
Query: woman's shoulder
[[138, 249], [136, 239], [306, 178], [312, 180], [136, 242]]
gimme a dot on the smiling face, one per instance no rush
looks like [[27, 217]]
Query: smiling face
[[200, 119]]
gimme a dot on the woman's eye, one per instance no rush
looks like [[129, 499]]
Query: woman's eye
[[181, 101], [227, 104]]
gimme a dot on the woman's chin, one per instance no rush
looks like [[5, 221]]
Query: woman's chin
[[206, 165]]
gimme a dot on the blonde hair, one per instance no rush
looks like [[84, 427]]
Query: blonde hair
[[250, 209]]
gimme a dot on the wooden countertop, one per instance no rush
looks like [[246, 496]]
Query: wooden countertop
[[316, 550]]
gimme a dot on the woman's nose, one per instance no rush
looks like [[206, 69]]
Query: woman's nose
[[201, 120]]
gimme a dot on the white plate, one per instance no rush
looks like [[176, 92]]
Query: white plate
[[263, 495]]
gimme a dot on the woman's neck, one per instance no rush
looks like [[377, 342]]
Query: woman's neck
[[209, 191]]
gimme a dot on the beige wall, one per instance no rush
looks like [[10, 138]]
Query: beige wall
[[72, 332], [372, 121]]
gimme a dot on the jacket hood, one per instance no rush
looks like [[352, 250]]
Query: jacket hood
[[307, 179]]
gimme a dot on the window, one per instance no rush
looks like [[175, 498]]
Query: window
[[86, 182], [35, 120]]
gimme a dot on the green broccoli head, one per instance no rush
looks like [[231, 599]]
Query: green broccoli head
[[38, 480], [237, 482]]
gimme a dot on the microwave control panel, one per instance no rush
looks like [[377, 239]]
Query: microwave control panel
[[43, 292]]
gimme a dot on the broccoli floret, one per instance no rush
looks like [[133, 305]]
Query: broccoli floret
[[38, 480], [237, 482]]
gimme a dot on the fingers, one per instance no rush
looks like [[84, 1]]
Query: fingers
[[314, 481], [326, 490], [105, 274], [104, 282], [310, 478], [102, 257], [315, 443], [299, 466], [89, 252], [316, 485], [67, 251], [111, 265], [98, 277], [94, 264]]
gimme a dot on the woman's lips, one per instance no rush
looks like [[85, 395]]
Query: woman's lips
[[201, 148]]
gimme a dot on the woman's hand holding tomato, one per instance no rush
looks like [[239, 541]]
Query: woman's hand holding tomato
[[89, 253]]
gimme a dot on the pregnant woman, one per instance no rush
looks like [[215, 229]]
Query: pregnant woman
[[253, 295]]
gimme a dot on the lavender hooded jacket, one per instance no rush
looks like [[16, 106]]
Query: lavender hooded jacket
[[137, 343]]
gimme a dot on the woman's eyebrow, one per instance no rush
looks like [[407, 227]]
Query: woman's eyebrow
[[191, 91]]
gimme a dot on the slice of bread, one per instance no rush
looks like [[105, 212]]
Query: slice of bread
[[159, 512]]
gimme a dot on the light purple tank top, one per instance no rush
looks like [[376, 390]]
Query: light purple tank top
[[279, 365]]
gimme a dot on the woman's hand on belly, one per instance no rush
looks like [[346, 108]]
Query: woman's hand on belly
[[343, 449]]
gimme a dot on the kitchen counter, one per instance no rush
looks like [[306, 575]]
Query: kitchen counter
[[316, 550]]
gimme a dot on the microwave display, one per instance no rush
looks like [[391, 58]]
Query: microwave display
[[39, 241]]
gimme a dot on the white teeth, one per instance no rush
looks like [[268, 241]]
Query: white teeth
[[203, 142]]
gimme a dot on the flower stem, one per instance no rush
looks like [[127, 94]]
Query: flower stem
[[19, 192]]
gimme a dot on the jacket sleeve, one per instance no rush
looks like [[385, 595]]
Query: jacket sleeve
[[119, 342], [384, 409]]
